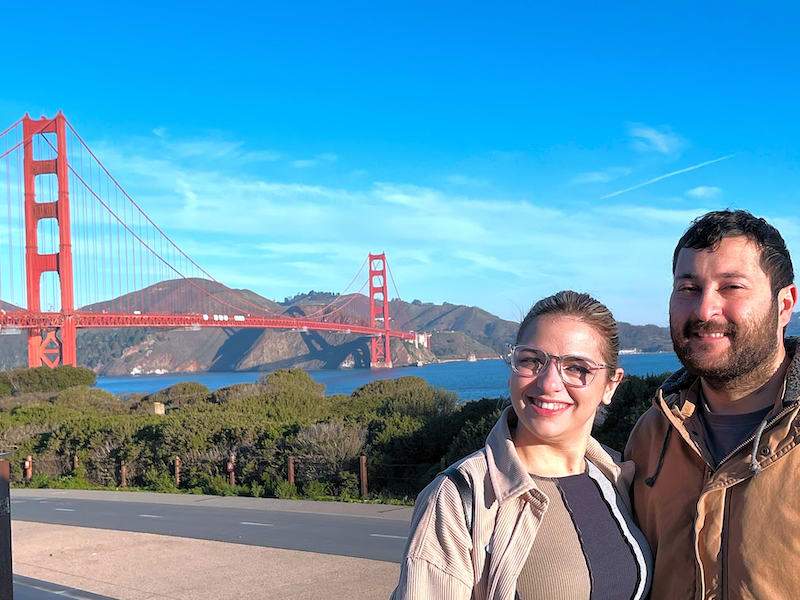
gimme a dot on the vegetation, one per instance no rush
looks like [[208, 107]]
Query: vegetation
[[82, 437]]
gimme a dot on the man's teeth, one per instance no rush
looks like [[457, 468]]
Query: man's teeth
[[549, 405], [711, 335]]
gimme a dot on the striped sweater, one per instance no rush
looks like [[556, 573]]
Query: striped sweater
[[443, 560]]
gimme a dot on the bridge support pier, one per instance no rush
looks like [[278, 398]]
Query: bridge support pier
[[380, 352], [45, 347]]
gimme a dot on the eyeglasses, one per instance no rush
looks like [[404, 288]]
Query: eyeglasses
[[527, 361]]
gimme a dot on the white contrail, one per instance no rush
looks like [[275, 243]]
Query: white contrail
[[667, 176]]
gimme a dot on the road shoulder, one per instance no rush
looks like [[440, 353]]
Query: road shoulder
[[141, 566]]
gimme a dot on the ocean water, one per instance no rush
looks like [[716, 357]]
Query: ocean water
[[469, 380]]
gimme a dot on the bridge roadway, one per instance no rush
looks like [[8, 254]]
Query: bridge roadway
[[370, 531]]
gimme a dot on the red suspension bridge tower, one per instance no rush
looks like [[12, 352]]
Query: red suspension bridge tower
[[45, 346], [380, 354]]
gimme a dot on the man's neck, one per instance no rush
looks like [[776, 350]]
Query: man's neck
[[742, 397]]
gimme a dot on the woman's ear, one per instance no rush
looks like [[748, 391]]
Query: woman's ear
[[611, 385]]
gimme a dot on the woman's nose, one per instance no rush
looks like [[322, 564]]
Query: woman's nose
[[549, 379]]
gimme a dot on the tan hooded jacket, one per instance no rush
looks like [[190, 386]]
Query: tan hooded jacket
[[443, 562], [727, 533]]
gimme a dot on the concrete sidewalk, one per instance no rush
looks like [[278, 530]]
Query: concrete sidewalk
[[142, 566]]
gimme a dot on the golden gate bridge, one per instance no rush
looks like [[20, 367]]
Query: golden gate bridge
[[79, 252]]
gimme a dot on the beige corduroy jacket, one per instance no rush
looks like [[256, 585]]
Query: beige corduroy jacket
[[443, 562]]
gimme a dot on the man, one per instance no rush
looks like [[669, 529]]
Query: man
[[717, 486]]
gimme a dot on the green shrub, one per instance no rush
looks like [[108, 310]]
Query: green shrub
[[257, 490], [40, 480], [286, 490], [218, 486], [316, 490], [159, 481], [347, 486]]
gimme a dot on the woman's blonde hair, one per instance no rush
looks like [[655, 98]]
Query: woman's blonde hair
[[581, 306]]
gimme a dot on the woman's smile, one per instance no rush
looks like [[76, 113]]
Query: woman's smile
[[548, 408]]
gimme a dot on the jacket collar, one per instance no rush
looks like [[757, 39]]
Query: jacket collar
[[510, 478]]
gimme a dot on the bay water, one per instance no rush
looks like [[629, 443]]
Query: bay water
[[469, 380]]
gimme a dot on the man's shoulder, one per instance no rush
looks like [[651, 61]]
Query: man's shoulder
[[650, 426]]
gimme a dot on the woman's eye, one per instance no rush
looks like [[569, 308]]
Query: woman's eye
[[576, 369]]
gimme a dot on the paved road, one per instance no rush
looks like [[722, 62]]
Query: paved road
[[363, 531], [26, 588]]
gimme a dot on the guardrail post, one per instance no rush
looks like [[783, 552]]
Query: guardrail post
[[177, 471], [6, 572], [230, 468], [290, 471], [362, 471], [28, 468]]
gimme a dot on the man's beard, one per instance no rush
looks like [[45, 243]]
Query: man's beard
[[748, 359]]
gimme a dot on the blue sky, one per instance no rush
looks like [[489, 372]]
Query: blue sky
[[497, 154]]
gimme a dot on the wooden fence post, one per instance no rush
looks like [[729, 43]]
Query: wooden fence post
[[177, 471], [75, 464], [6, 571], [290, 471], [123, 475], [230, 468], [28, 468], [362, 471]]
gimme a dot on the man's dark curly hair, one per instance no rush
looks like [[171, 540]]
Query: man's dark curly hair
[[710, 229]]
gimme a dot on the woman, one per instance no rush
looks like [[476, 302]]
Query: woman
[[542, 511]]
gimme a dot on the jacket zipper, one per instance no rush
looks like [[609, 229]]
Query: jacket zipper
[[745, 443]]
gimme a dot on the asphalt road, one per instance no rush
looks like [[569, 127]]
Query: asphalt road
[[26, 588], [363, 532]]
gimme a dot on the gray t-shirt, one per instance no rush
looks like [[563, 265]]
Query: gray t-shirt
[[726, 432]]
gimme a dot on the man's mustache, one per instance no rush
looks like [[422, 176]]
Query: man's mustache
[[694, 327]]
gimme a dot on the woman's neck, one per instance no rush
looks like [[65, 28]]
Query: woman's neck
[[549, 459]]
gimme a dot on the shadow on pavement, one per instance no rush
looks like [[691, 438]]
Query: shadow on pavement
[[26, 588]]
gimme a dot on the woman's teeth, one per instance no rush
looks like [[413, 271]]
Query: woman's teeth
[[549, 405]]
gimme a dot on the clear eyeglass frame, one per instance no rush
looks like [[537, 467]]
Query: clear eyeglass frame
[[580, 371]]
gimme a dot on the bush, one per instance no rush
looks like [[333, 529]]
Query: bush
[[185, 393], [257, 490], [316, 490], [218, 486], [159, 482], [44, 379], [286, 490]]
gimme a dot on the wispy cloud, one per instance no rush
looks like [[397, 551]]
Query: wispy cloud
[[307, 163], [704, 192], [649, 139], [603, 176], [667, 176], [466, 180]]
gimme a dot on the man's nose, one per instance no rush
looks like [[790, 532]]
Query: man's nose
[[709, 305]]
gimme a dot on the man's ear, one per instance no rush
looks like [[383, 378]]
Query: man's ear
[[787, 300]]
